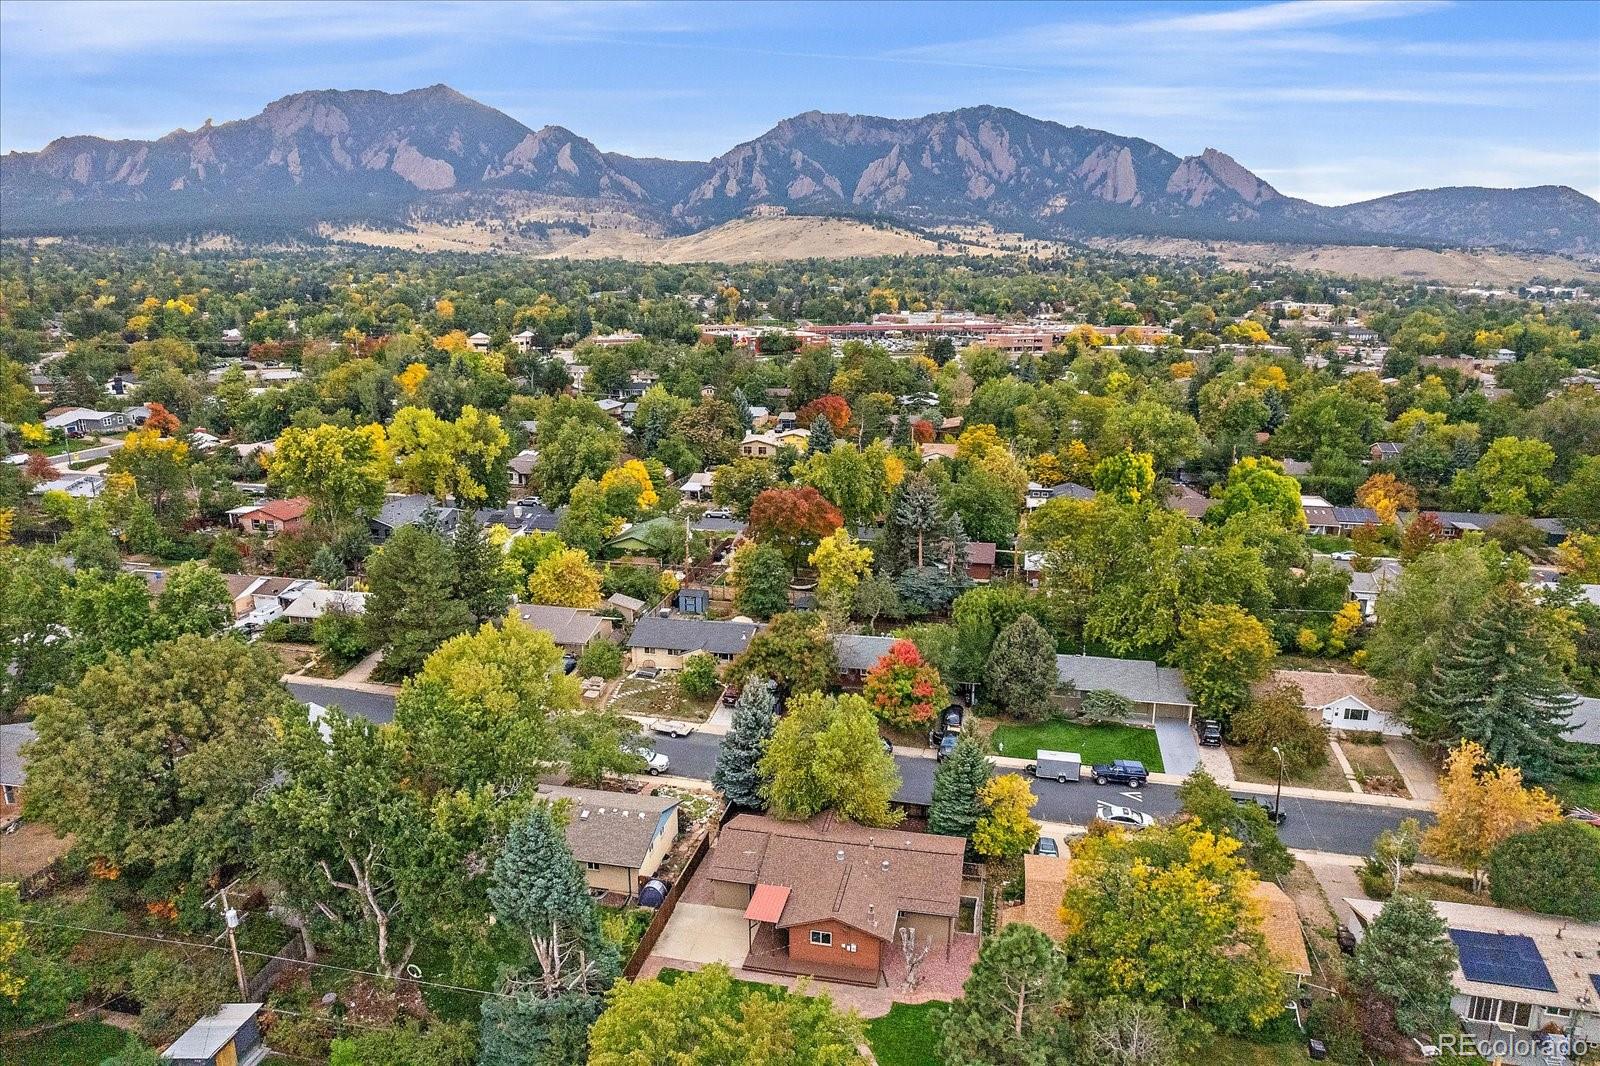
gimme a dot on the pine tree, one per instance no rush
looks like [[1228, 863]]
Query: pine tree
[[916, 526], [738, 773], [1009, 1011], [413, 607], [956, 807], [822, 436], [1021, 673], [741, 406], [1500, 685], [902, 439], [1407, 959], [480, 572]]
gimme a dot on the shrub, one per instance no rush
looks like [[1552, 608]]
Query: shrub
[[1277, 719], [699, 677], [600, 658], [341, 634]]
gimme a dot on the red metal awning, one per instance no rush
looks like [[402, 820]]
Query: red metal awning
[[766, 903]]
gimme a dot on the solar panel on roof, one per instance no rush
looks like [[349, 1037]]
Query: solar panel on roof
[[1502, 959]]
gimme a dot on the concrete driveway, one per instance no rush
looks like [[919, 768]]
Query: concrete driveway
[[699, 932], [1180, 751]]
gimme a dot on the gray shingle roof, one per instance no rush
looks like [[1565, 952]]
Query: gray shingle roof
[[13, 767], [1133, 679], [683, 635], [400, 511], [611, 828], [566, 625], [856, 651]]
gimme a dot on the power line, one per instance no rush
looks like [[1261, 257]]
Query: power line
[[180, 942]]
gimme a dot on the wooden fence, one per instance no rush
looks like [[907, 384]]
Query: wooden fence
[[658, 922]]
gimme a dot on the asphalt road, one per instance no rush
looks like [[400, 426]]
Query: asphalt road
[[1322, 825]]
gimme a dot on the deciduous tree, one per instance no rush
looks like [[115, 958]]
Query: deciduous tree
[[1554, 869], [1276, 718], [825, 754], [1223, 652], [794, 651], [793, 520], [1005, 830], [1213, 809], [1480, 806], [565, 579], [413, 606], [760, 577], [1021, 672], [841, 563], [1387, 495], [904, 689], [343, 472]]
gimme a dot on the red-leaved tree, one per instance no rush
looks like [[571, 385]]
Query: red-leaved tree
[[793, 520], [904, 688], [162, 420], [834, 408], [922, 431]]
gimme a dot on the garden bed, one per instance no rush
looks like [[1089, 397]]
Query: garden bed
[[1375, 770], [1328, 776], [1097, 743], [659, 698]]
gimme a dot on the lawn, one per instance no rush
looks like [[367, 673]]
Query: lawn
[[1579, 791], [1096, 743], [908, 1035], [73, 1044], [1231, 1051]]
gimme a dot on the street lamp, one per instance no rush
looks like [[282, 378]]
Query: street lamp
[[1277, 802]]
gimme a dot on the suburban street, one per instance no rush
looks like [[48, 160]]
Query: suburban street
[[1321, 825]]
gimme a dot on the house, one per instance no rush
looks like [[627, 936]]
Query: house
[[1343, 701], [1319, 515], [230, 1037], [1367, 585], [626, 606], [121, 384], [570, 627], [794, 437], [13, 768], [400, 511], [933, 450], [272, 517], [1350, 519], [827, 898], [1386, 451], [665, 643], [759, 445], [526, 515], [1459, 523], [620, 838], [980, 560], [697, 487], [611, 408], [1518, 973], [479, 341], [521, 467], [523, 340], [856, 653], [1155, 691], [255, 598], [84, 421], [312, 604], [78, 486], [1187, 501], [1039, 495]]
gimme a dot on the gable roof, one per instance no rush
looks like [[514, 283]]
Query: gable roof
[[611, 828], [1133, 679], [282, 510], [682, 635], [400, 511], [205, 1038], [835, 871], [13, 767], [1319, 688], [566, 625]]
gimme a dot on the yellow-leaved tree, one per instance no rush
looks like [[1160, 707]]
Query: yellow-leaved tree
[[1479, 806], [841, 564], [630, 487], [1005, 830], [565, 579]]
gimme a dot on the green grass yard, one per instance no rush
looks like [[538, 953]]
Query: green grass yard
[[73, 1044], [908, 1035], [1096, 743]]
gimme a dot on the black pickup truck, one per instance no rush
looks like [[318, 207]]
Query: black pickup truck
[[1130, 772]]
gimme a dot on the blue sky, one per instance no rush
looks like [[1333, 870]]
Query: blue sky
[[1333, 101]]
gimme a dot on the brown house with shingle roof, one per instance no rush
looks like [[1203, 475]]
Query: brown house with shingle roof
[[828, 898]]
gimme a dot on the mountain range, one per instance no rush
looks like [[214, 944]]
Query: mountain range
[[332, 156]]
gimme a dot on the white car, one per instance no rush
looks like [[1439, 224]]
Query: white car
[[671, 727], [1126, 817], [655, 763]]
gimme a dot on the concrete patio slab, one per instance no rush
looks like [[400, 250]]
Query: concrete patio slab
[[699, 932]]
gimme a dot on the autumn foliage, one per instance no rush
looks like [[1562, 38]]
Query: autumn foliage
[[904, 689], [162, 420], [793, 520], [922, 431], [833, 408]]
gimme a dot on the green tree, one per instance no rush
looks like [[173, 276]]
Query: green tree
[[464, 459], [1223, 652], [707, 1019], [1213, 809], [1512, 476], [1407, 959], [194, 600], [343, 472], [570, 452], [958, 782], [1021, 672], [1393, 851], [1125, 1032], [1276, 718], [33, 602], [340, 634], [1012, 1007], [36, 984], [600, 658], [1166, 916], [413, 606], [698, 678], [736, 485], [1500, 684], [794, 651], [1126, 477], [440, 1044], [760, 577], [825, 754], [738, 773], [110, 616], [1259, 485], [921, 530], [1554, 869], [1005, 830], [166, 789], [483, 580], [586, 524]]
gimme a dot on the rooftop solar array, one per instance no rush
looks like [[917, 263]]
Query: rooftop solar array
[[1502, 959]]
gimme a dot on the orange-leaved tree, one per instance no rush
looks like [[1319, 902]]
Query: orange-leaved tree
[[905, 689]]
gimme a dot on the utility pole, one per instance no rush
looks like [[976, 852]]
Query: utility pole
[[231, 916]]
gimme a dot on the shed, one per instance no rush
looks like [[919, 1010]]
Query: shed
[[229, 1037]]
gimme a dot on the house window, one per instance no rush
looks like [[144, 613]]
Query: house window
[[8, 794], [1499, 1011], [592, 865], [1356, 714], [822, 938], [1557, 1012]]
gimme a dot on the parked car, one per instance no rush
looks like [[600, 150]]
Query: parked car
[[1126, 817], [569, 663], [1210, 732], [947, 746], [671, 727], [948, 725], [1047, 846], [1275, 814], [1130, 772], [888, 748], [655, 763], [718, 512]]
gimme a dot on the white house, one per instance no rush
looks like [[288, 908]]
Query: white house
[[479, 342], [1349, 702], [82, 421]]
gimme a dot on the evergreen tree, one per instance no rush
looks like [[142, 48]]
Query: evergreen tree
[[920, 530], [539, 890], [956, 807], [901, 438], [738, 773], [822, 436], [741, 407], [413, 606], [1500, 685], [1407, 959], [1009, 1011], [1021, 672], [480, 572]]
